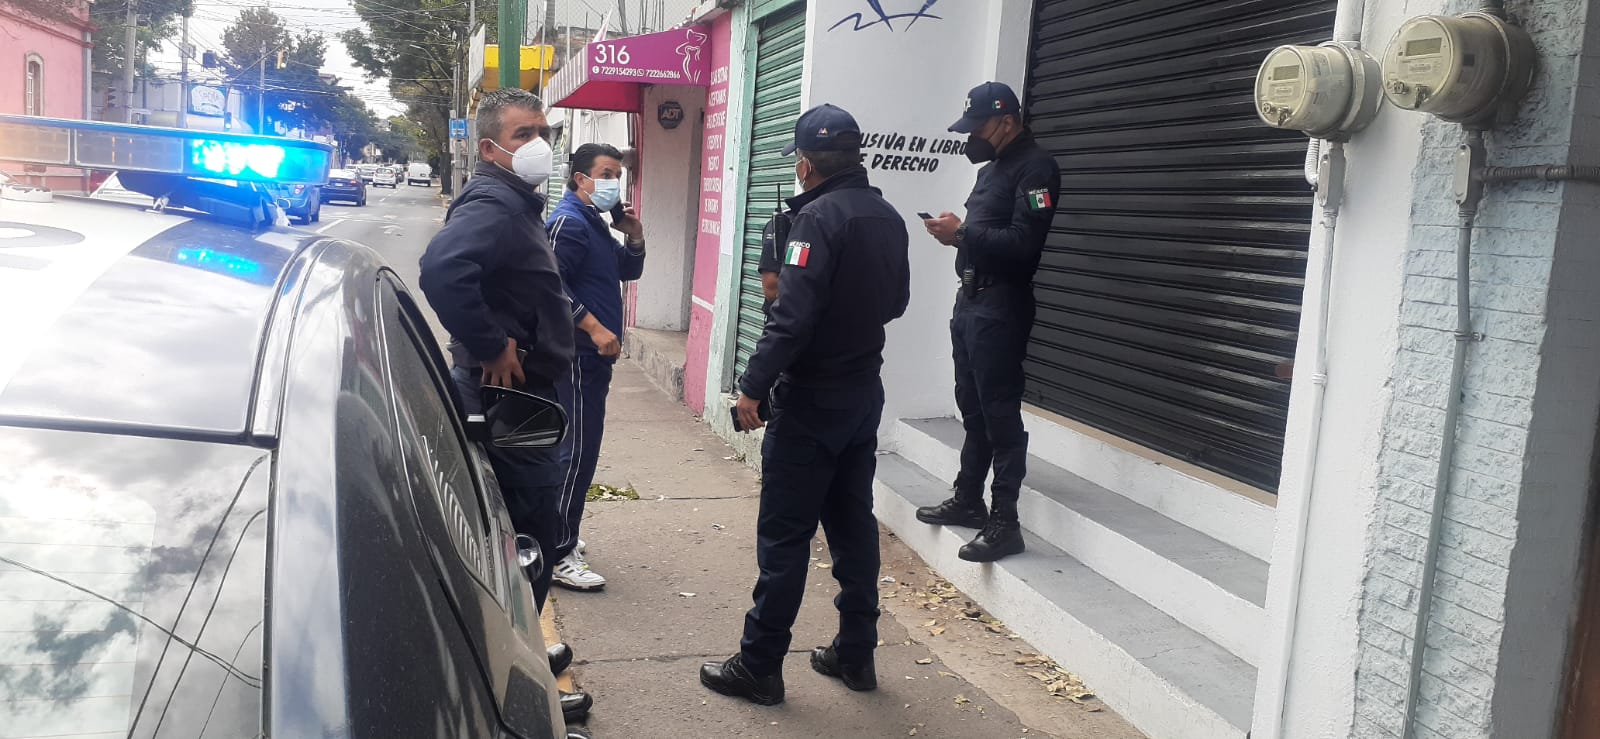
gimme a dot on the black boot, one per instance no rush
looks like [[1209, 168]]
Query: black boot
[[957, 511], [575, 706], [560, 658], [1001, 537], [730, 677], [862, 676]]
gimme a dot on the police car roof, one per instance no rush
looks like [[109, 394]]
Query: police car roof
[[116, 318]]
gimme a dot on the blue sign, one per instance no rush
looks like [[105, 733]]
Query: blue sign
[[458, 128]]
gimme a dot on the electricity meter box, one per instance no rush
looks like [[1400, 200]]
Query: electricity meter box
[[1329, 91], [1470, 69]]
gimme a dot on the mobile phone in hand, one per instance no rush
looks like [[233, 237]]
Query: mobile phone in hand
[[925, 216], [618, 215], [763, 412]]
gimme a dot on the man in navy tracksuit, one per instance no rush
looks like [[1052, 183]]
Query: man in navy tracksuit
[[593, 267]]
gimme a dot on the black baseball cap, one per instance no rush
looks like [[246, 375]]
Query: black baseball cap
[[825, 128], [984, 102]]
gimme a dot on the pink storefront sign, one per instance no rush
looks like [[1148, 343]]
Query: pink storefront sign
[[607, 74]]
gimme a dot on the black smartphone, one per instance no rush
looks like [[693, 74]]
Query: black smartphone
[[763, 412], [617, 214], [925, 216]]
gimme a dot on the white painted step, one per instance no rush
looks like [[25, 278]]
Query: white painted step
[[1207, 585], [1166, 679]]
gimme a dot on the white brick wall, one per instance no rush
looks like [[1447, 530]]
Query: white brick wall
[[1513, 257]]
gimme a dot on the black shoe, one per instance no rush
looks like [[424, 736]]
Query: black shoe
[[560, 658], [575, 706], [955, 512], [856, 677], [997, 539], [731, 678]]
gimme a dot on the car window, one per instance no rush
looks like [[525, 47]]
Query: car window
[[432, 439]]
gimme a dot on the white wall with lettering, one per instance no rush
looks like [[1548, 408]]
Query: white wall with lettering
[[669, 167], [904, 76]]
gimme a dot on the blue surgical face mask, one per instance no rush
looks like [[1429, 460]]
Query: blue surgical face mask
[[607, 193]]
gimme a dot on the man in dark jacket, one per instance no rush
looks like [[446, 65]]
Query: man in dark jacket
[[846, 274], [998, 248], [491, 277], [593, 267]]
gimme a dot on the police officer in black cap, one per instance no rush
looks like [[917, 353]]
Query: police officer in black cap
[[997, 251], [846, 273]]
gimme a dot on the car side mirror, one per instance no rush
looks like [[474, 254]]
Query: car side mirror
[[515, 419]]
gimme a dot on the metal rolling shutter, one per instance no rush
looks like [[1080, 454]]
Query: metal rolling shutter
[[780, 49], [1169, 293]]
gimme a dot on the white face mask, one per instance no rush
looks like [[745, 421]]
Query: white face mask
[[531, 161]]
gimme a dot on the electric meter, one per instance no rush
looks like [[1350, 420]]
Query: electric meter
[[1329, 91], [1462, 69]]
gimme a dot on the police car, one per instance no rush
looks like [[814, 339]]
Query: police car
[[237, 495]]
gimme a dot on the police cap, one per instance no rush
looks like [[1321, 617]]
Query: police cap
[[825, 128]]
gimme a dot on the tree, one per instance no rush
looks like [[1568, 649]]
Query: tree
[[158, 21], [296, 94], [416, 45]]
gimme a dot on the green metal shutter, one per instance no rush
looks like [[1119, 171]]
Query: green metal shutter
[[1169, 293], [780, 49]]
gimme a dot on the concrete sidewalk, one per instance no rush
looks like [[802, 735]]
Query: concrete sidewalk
[[680, 564]]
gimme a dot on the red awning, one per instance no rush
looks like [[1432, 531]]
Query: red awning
[[608, 75]]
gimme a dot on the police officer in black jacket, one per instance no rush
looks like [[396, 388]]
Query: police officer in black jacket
[[846, 273], [997, 252]]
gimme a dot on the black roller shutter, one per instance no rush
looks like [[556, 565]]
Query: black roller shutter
[[1169, 293]]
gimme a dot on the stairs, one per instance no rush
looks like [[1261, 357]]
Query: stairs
[[1162, 621]]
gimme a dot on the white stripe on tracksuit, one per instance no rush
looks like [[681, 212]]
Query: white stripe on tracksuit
[[568, 537]]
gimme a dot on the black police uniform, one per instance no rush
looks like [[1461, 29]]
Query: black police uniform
[[998, 252], [846, 275]]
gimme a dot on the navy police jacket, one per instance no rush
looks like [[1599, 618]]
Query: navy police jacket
[[1009, 213], [490, 274], [846, 274], [593, 266]]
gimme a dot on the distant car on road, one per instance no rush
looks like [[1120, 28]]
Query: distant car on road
[[419, 172], [344, 184], [366, 171], [386, 177]]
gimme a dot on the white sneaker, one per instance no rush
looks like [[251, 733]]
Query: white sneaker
[[582, 546], [574, 573]]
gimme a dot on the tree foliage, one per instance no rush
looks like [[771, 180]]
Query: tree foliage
[[159, 20], [416, 45]]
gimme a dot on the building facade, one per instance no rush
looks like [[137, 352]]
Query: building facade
[[1237, 399], [43, 70]]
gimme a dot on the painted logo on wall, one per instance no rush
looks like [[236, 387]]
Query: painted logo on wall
[[899, 10]]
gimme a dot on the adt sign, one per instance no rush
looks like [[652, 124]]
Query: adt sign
[[458, 129]]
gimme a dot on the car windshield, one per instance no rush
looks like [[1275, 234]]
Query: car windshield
[[341, 174], [132, 583]]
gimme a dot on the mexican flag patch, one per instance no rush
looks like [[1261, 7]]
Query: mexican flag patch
[[798, 253], [1039, 199]]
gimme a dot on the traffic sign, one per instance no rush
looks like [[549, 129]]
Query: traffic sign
[[458, 128]]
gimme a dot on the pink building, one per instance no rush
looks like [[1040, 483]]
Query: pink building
[[43, 65]]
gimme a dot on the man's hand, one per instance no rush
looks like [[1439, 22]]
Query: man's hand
[[506, 369], [629, 224], [943, 228], [605, 341], [749, 413]]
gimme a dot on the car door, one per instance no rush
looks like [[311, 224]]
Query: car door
[[464, 521]]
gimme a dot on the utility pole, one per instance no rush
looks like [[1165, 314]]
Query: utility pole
[[129, 38], [513, 17], [261, 86], [183, 76]]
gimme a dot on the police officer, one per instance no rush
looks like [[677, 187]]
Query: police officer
[[997, 252], [846, 274]]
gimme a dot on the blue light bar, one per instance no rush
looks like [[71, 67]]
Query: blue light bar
[[126, 147]]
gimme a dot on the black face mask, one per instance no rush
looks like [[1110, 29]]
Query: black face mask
[[979, 150]]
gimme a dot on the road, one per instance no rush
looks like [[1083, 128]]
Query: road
[[681, 561], [397, 223]]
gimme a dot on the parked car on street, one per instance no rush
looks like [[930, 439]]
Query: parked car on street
[[386, 177], [237, 485], [300, 201], [419, 172], [346, 185]]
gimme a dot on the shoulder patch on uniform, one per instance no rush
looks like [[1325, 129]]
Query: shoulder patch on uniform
[[1039, 198], [798, 253]]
